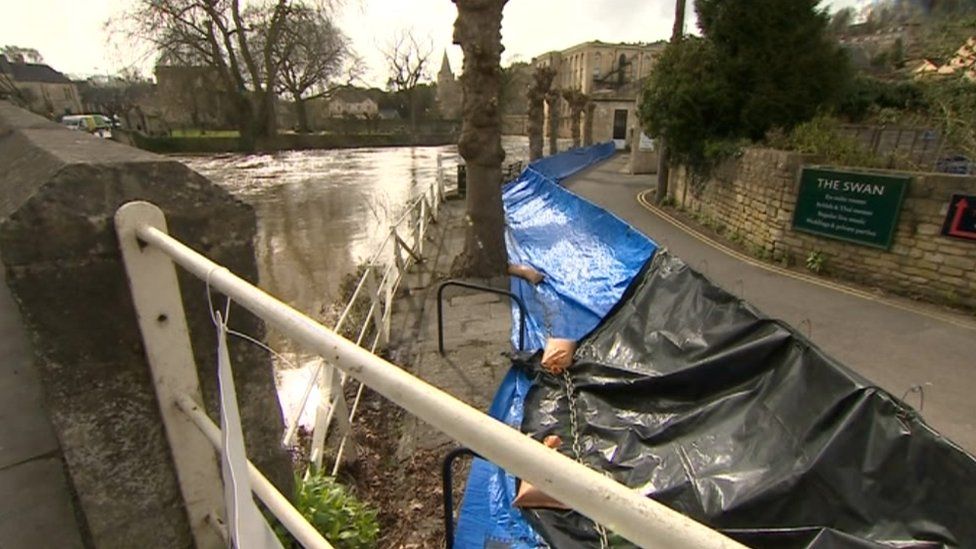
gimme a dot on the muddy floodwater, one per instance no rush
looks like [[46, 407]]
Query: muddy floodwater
[[322, 213]]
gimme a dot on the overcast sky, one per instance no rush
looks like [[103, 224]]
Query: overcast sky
[[70, 34]]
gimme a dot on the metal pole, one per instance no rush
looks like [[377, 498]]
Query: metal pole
[[279, 506], [639, 519], [166, 340]]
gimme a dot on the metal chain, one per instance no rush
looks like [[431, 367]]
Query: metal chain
[[578, 442]]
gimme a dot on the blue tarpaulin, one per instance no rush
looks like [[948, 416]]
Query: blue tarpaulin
[[589, 257]]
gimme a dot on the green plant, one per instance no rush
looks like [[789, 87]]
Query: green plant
[[815, 261], [759, 64], [328, 506], [759, 252], [822, 136]]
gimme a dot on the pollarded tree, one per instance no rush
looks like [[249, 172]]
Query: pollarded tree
[[541, 83], [577, 101], [553, 100], [478, 31]]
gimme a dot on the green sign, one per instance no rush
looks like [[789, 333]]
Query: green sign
[[856, 207]]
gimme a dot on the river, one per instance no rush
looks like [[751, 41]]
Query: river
[[322, 213]]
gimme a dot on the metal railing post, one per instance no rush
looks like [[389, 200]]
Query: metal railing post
[[379, 307], [397, 258], [421, 226], [447, 485], [479, 287], [639, 519], [162, 321]]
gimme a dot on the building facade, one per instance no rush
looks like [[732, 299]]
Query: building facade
[[352, 102], [612, 75], [42, 89]]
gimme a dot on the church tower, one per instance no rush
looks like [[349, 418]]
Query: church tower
[[448, 91]]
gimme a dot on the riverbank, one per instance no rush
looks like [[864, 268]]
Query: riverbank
[[206, 144], [400, 457]]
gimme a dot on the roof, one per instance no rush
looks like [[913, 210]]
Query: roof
[[446, 66], [351, 95], [32, 72]]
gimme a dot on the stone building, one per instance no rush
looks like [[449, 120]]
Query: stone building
[[612, 75], [44, 90], [351, 102], [449, 93], [194, 98]]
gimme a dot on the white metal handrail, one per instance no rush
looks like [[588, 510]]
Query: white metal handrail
[[413, 223], [626, 512]]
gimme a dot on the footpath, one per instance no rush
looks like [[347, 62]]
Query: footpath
[[896, 343], [400, 469]]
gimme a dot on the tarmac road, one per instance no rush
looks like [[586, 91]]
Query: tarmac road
[[896, 343]]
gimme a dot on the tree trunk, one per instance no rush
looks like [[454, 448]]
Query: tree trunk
[[302, 114], [588, 124], [541, 83], [575, 118], [574, 126], [663, 158], [553, 101], [255, 118], [478, 32], [536, 124]]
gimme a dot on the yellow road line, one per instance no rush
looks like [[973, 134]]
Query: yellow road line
[[691, 231]]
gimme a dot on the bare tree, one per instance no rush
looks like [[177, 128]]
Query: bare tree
[[313, 55], [478, 31], [117, 98], [541, 83], [577, 101], [218, 34], [409, 62]]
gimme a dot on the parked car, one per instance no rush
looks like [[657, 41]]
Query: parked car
[[97, 124], [956, 164]]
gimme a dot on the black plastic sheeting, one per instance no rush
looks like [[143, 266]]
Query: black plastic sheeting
[[692, 397]]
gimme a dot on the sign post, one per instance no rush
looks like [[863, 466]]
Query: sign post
[[960, 221], [855, 207]]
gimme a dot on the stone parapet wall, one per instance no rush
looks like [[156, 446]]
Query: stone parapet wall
[[59, 191], [753, 198]]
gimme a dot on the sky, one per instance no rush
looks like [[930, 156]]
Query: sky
[[71, 34]]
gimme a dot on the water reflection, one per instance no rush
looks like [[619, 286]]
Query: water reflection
[[321, 213]]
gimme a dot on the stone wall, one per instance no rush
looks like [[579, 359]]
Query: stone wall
[[752, 199], [59, 191]]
